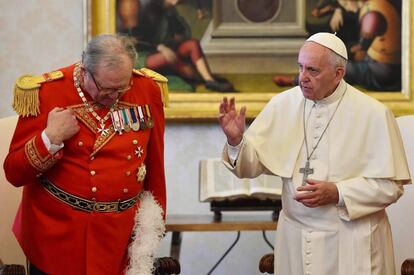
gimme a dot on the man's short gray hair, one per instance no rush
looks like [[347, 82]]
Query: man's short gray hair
[[107, 50], [336, 60]]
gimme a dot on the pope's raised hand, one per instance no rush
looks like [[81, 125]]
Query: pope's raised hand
[[232, 123], [61, 125]]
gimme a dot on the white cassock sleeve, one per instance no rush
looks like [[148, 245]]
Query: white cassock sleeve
[[364, 196], [246, 164]]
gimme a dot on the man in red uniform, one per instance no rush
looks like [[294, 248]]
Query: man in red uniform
[[88, 141]]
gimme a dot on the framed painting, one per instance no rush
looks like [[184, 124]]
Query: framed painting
[[273, 34]]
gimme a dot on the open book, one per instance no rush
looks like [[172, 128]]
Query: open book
[[218, 183]]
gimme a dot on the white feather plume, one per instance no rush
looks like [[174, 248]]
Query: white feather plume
[[147, 233]]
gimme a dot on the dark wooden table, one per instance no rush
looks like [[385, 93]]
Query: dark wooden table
[[177, 224]]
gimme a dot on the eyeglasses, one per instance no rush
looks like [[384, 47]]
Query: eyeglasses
[[107, 91]]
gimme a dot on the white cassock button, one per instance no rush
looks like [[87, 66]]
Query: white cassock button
[[93, 173], [129, 157], [128, 173], [94, 189], [135, 142], [80, 143], [125, 190]]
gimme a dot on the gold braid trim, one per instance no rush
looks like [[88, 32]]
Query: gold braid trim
[[26, 92], [82, 114], [35, 159], [161, 80], [102, 140]]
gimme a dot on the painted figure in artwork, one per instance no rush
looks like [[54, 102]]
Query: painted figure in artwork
[[375, 57], [164, 41]]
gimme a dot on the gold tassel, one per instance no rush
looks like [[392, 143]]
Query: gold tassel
[[164, 92], [26, 102]]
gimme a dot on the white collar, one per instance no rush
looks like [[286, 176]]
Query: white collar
[[336, 95]]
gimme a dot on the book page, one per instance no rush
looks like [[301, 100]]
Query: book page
[[217, 182], [267, 186]]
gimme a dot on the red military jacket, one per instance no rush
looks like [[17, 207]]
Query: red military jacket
[[56, 237]]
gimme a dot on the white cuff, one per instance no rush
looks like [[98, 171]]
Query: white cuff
[[233, 151], [52, 148], [341, 202], [342, 210]]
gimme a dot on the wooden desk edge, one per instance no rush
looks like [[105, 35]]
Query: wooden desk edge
[[180, 223]]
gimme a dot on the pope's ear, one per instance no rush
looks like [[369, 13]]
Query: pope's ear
[[340, 72]]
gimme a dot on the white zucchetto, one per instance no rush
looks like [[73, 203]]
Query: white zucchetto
[[330, 41]]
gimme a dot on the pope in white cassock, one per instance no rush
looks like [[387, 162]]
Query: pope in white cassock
[[341, 159]]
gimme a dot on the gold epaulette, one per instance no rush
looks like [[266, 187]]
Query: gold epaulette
[[26, 92], [161, 80]]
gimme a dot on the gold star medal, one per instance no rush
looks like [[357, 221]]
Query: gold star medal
[[142, 171]]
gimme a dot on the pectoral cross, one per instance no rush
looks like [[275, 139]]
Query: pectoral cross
[[306, 171]]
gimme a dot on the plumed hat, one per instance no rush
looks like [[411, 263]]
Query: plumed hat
[[330, 41]]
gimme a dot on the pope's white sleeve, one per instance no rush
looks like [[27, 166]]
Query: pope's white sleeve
[[364, 196], [246, 164]]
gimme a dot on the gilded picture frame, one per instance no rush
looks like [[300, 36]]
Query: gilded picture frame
[[99, 17]]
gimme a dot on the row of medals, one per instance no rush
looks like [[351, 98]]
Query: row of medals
[[132, 118]]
